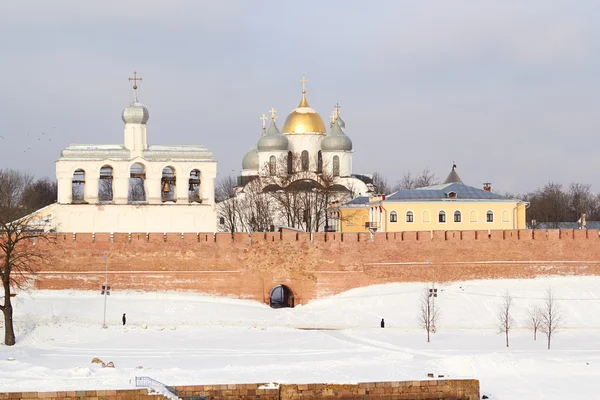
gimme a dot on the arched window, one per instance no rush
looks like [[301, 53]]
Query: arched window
[[105, 186], [319, 162], [410, 217], [489, 216], [137, 184], [168, 183], [194, 187], [290, 160], [505, 216], [473, 216], [336, 166], [393, 216], [78, 186], [457, 216], [426, 216], [272, 166], [442, 217], [305, 163]]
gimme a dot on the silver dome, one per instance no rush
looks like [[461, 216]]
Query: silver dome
[[336, 140], [135, 113], [250, 160], [273, 140]]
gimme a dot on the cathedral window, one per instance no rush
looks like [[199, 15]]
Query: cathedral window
[[137, 184], [304, 158], [194, 187], [336, 166], [78, 186], [272, 166], [320, 162], [442, 217], [410, 217], [489, 216], [290, 160], [105, 186], [168, 185], [457, 216], [393, 216]]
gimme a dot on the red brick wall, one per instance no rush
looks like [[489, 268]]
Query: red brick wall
[[248, 266], [415, 390]]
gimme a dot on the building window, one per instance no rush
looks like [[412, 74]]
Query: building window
[[290, 160], [442, 217], [137, 184], [473, 216], [304, 158], [410, 216], [489, 216], [105, 186], [393, 216], [272, 166], [194, 187], [457, 216], [168, 184], [505, 216], [222, 220], [78, 186], [336, 166], [319, 162]]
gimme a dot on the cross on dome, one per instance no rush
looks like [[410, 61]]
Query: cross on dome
[[272, 111], [134, 79], [263, 118], [303, 81], [337, 109]]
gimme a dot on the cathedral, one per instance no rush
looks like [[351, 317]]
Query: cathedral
[[302, 159]]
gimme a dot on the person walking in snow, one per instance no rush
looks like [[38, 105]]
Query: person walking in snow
[[124, 319], [382, 323]]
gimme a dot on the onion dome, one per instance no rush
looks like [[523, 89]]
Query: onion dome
[[250, 160], [336, 140], [304, 119], [273, 140], [135, 112]]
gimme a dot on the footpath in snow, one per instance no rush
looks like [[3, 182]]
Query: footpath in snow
[[190, 339]]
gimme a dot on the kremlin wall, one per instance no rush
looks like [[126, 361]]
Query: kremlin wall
[[310, 265]]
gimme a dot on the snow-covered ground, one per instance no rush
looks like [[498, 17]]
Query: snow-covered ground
[[187, 339]]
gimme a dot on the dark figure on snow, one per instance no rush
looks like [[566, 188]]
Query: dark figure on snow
[[382, 322], [124, 319]]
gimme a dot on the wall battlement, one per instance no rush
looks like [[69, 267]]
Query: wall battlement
[[320, 237]]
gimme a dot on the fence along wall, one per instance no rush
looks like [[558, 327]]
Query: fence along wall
[[321, 264]]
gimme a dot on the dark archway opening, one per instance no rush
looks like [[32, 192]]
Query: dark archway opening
[[281, 297]]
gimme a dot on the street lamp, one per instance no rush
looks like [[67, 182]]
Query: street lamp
[[105, 291]]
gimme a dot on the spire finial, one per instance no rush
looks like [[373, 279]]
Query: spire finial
[[337, 110], [263, 118], [453, 165], [273, 116], [333, 118], [134, 79], [303, 81]]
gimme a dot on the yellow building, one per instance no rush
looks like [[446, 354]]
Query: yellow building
[[351, 216], [446, 207]]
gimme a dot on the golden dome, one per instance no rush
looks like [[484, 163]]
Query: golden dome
[[303, 119]]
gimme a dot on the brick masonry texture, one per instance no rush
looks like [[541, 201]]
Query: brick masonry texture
[[410, 390], [311, 265]]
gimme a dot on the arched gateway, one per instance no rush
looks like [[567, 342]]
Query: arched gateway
[[281, 297]]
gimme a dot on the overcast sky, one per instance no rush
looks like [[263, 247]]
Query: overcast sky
[[509, 90]]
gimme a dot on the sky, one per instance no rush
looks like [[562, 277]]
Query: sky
[[508, 90]]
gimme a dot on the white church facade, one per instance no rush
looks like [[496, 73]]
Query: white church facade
[[134, 187]]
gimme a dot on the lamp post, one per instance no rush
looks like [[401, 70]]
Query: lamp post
[[105, 290]]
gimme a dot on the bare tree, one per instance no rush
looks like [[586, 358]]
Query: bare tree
[[505, 319], [228, 209], [39, 194], [18, 253], [381, 184], [534, 318], [551, 316], [423, 179], [428, 312]]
